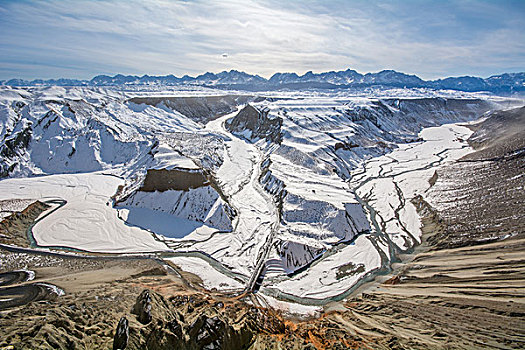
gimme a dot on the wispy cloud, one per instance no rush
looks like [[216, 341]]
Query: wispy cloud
[[83, 38]]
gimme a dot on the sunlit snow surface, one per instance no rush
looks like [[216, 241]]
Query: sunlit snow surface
[[406, 167], [87, 221], [86, 142]]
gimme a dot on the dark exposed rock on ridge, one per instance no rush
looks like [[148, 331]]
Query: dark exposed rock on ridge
[[201, 109], [142, 307], [120, 340], [258, 123], [163, 180]]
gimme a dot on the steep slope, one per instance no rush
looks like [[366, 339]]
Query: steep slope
[[76, 130], [57, 131], [182, 193], [500, 135], [465, 287], [297, 198], [257, 123], [201, 109], [499, 161], [272, 192]]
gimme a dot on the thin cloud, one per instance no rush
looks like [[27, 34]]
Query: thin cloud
[[176, 37]]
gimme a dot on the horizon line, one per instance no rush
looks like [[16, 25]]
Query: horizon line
[[257, 75]]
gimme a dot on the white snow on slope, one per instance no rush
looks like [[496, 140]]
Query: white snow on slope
[[166, 158], [332, 275], [238, 177], [81, 130], [339, 268], [197, 205]]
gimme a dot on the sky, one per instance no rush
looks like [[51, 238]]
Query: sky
[[432, 39]]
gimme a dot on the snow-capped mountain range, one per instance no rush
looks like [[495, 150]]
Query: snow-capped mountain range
[[504, 83]]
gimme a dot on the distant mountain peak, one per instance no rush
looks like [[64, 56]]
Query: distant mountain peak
[[503, 83]]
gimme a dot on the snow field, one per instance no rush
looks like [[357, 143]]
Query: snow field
[[87, 221]]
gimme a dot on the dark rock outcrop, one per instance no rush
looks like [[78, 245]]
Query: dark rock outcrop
[[13, 146], [199, 108], [163, 180], [209, 333], [120, 341], [258, 123], [142, 307]]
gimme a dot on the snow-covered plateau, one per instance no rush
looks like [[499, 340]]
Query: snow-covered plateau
[[298, 195]]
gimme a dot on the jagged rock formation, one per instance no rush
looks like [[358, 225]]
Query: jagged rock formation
[[120, 341], [302, 152], [142, 307], [196, 322], [255, 123]]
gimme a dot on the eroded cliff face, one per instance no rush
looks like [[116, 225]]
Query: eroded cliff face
[[489, 194], [54, 131], [185, 194], [463, 291], [466, 282], [173, 179], [255, 123], [200, 109], [294, 255]]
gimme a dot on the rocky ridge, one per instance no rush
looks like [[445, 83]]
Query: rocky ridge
[[503, 83]]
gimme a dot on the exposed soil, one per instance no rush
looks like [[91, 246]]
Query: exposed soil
[[163, 180], [500, 135], [99, 292], [13, 229], [466, 287]]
